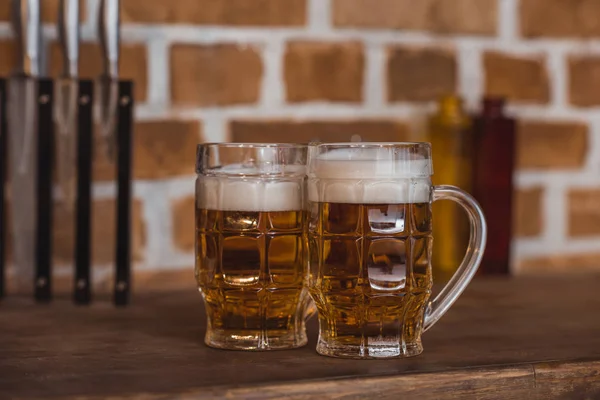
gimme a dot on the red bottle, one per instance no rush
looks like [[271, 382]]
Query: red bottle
[[493, 167]]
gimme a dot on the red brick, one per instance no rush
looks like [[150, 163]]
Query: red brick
[[162, 149], [440, 16], [183, 223], [216, 12], [317, 71], [527, 215], [416, 74], [559, 18], [516, 78], [282, 131], [584, 78], [584, 213], [223, 74], [551, 145]]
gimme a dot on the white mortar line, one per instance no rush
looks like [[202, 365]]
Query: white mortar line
[[273, 87], [214, 128], [471, 75], [319, 15], [593, 157], [508, 20], [557, 76], [565, 113], [564, 178], [159, 72], [108, 190], [158, 221], [554, 215], [150, 112], [534, 248], [375, 76], [314, 110], [218, 34]]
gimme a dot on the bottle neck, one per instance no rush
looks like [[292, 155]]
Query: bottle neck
[[450, 111], [493, 108]]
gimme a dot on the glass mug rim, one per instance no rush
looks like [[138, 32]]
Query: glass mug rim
[[252, 160], [249, 145], [369, 160], [370, 144]]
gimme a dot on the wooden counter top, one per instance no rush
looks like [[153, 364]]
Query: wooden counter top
[[525, 338]]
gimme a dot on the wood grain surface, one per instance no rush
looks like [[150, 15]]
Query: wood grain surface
[[523, 338]]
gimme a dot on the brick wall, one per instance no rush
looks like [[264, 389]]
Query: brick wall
[[293, 70]]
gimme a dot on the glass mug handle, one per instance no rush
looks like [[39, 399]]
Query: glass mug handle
[[465, 272]]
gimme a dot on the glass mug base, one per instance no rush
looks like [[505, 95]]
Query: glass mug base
[[375, 349], [255, 340]]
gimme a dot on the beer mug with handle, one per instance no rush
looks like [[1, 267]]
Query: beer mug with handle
[[370, 247], [251, 251]]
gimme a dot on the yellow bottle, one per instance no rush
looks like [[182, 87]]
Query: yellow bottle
[[450, 135]]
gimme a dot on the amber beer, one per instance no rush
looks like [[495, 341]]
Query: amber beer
[[251, 263], [370, 245]]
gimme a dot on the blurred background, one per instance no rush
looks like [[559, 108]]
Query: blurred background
[[341, 70]]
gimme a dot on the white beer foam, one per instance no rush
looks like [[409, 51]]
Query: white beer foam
[[248, 194], [368, 177]]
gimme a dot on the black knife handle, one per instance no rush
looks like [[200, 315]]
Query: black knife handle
[[83, 227], [45, 156], [124, 139], [3, 156]]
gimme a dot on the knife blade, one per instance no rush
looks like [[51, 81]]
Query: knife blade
[[109, 33], [67, 98], [22, 121]]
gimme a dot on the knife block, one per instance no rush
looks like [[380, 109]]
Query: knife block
[[44, 160]]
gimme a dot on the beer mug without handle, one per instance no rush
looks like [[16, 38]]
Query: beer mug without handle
[[370, 246], [251, 246]]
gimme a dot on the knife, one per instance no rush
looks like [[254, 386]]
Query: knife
[[67, 98], [109, 33], [22, 121]]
